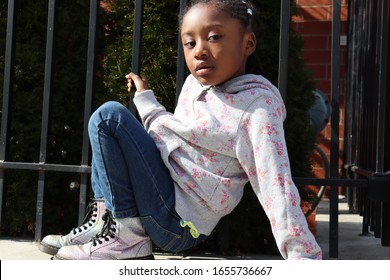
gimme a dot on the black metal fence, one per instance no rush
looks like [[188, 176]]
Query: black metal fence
[[360, 86], [367, 128]]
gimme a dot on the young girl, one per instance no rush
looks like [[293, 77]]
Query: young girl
[[172, 180]]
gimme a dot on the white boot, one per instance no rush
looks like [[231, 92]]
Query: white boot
[[120, 239], [91, 226]]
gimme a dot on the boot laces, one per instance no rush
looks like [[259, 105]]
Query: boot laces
[[108, 230], [89, 219]]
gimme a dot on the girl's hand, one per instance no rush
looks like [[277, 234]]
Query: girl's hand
[[141, 83]]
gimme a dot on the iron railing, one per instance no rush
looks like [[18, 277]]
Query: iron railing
[[84, 169], [367, 127]]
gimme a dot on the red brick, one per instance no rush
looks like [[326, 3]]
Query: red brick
[[323, 85], [295, 26], [326, 132], [315, 28], [316, 42], [295, 19], [344, 27], [313, 2], [319, 71], [318, 164], [318, 13], [343, 13], [343, 57], [316, 56], [342, 103], [314, 23], [341, 134], [318, 172], [342, 70]]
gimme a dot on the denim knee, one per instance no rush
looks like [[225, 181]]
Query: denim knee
[[110, 109]]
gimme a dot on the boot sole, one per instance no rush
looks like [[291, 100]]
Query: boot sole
[[149, 257], [46, 248]]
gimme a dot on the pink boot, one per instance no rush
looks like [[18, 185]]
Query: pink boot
[[120, 239], [91, 226]]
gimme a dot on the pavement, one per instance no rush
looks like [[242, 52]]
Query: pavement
[[352, 244]]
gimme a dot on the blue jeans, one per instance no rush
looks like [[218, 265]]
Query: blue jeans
[[128, 172]]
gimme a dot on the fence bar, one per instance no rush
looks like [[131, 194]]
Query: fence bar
[[89, 89], [45, 116], [46, 167], [137, 40], [7, 92], [283, 47], [383, 64], [181, 67], [382, 151], [352, 100], [349, 121], [331, 182], [335, 118]]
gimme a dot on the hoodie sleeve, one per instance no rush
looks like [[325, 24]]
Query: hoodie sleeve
[[149, 108], [261, 150]]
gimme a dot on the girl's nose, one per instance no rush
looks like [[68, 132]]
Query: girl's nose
[[201, 50]]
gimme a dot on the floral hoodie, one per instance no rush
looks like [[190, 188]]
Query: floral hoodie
[[218, 139]]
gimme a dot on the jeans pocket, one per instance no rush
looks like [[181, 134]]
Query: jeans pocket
[[168, 240]]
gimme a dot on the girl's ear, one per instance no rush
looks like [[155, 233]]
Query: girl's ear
[[250, 39]]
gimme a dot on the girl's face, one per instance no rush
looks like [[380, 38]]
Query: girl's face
[[216, 46]]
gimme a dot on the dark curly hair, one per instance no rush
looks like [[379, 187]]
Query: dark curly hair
[[241, 10], [244, 11]]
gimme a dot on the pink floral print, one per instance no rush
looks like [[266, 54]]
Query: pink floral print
[[217, 140]]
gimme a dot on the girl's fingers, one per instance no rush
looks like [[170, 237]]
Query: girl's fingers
[[140, 83]]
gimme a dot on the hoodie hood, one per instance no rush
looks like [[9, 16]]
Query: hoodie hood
[[244, 83]]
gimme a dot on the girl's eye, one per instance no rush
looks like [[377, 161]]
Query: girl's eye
[[215, 37], [189, 44]]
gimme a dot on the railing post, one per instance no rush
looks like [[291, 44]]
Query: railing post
[[180, 72], [335, 118], [137, 40], [283, 47], [45, 115], [383, 45], [89, 90], [384, 15], [7, 92]]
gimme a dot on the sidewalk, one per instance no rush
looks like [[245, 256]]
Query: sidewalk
[[352, 245]]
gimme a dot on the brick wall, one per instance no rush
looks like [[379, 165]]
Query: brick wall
[[314, 22]]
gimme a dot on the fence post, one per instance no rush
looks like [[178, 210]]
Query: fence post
[[335, 118], [180, 71], [283, 47], [89, 90], [45, 115], [137, 40], [7, 92]]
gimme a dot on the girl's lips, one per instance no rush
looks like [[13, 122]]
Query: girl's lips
[[203, 69], [202, 64]]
